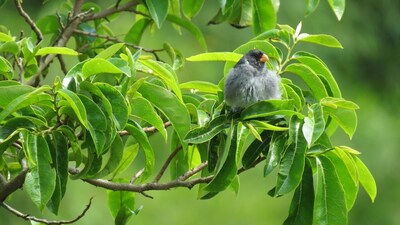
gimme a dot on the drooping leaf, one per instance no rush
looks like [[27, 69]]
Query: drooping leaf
[[116, 154], [330, 203], [158, 10], [130, 152], [266, 126], [276, 147], [311, 6], [228, 171], [170, 105], [143, 109], [346, 118], [264, 16], [6, 68], [48, 24], [269, 108], [301, 208], [314, 124], [337, 7], [255, 149], [191, 7], [121, 204], [206, 133], [366, 179], [137, 132], [40, 180], [292, 163], [310, 78], [5, 37], [98, 66], [135, 33], [190, 27]]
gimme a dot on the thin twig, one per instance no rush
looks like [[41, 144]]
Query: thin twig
[[28, 19], [13, 185], [107, 12], [62, 64], [193, 171], [136, 176], [145, 129], [116, 40], [45, 221], [166, 164]]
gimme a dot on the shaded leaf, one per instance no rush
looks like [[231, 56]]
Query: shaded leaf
[[201, 86], [269, 108], [158, 10], [276, 147], [255, 148], [191, 7], [206, 133], [135, 33], [264, 16]]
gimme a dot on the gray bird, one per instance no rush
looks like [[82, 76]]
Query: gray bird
[[250, 81]]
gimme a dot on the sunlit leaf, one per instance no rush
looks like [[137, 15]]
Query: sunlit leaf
[[366, 179], [158, 10], [337, 7], [201, 86], [264, 16], [110, 51], [321, 39], [314, 124], [216, 56], [56, 50]]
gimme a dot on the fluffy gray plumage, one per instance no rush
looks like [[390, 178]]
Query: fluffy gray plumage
[[249, 81]]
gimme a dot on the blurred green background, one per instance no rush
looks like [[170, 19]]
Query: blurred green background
[[367, 70]]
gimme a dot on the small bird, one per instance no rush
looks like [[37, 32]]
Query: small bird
[[250, 81]]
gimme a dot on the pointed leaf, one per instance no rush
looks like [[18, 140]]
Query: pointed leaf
[[366, 179], [158, 10], [321, 39], [97, 66], [311, 6], [135, 33], [216, 56], [330, 203], [201, 86], [337, 7], [264, 16], [314, 124], [269, 108], [56, 50], [206, 133], [276, 147], [191, 7], [346, 118], [110, 51]]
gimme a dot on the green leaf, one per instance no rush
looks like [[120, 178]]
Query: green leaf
[[276, 147], [190, 27], [228, 171], [321, 69], [255, 149], [366, 179], [310, 78], [175, 55], [269, 108], [206, 133], [311, 6], [118, 104], [295, 93], [96, 121], [321, 39], [40, 181], [168, 76], [170, 105], [338, 103], [158, 10], [241, 14], [130, 152], [58, 146], [5, 37], [24, 100], [314, 124], [201, 86], [49, 24], [121, 200], [56, 50], [191, 7], [292, 163], [143, 109], [346, 118], [137, 132], [6, 68], [301, 207], [350, 186], [76, 104], [116, 154], [266, 126], [97, 66], [11, 47], [135, 33], [10, 90], [110, 51], [216, 56], [330, 203], [337, 7], [264, 16]]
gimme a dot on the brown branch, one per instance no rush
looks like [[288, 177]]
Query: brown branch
[[166, 164], [145, 129], [193, 171], [10, 187], [40, 220], [116, 9], [28, 20], [62, 64], [116, 40]]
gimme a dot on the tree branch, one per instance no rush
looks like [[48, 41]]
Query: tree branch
[[28, 19], [107, 12], [40, 220], [166, 164], [15, 184], [145, 129]]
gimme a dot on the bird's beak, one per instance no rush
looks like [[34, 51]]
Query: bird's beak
[[264, 58]]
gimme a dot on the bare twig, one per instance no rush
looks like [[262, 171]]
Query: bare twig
[[136, 176], [166, 164], [62, 64], [145, 129], [40, 220], [107, 12], [28, 19], [193, 171], [116, 40]]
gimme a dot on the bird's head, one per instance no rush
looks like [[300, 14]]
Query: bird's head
[[255, 58]]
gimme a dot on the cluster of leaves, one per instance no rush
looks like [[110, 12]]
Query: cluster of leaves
[[92, 123]]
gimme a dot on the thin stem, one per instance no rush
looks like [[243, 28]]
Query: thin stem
[[166, 164], [28, 19]]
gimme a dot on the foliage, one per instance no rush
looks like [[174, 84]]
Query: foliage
[[91, 123]]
